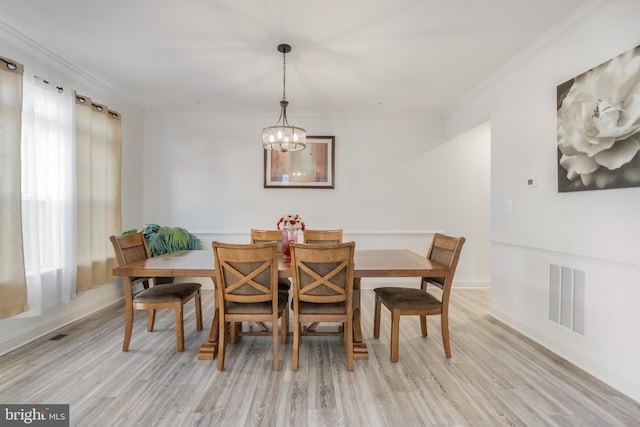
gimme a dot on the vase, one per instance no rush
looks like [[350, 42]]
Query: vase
[[287, 237]]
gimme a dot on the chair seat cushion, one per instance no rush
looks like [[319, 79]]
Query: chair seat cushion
[[257, 307], [407, 298], [167, 292], [284, 283], [322, 308]]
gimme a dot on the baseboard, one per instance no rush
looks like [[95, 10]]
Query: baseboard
[[623, 384], [16, 332]]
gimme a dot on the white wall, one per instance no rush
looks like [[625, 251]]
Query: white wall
[[594, 231], [17, 331], [397, 181]]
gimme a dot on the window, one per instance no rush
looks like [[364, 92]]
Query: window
[[48, 193]]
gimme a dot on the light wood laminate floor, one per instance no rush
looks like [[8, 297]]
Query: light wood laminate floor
[[496, 377]]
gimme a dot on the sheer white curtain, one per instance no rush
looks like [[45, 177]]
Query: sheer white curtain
[[48, 194], [13, 291]]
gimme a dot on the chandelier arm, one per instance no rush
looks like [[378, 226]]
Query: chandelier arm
[[280, 118]]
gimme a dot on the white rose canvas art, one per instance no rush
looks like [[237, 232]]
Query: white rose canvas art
[[599, 126]]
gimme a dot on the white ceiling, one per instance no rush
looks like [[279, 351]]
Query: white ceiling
[[348, 55]]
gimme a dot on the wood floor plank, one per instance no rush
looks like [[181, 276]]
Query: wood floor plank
[[496, 377]]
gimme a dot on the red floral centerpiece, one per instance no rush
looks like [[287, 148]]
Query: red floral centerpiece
[[289, 224]]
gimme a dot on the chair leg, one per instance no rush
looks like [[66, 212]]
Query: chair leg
[[345, 332], [198, 302], [376, 319], [349, 338], [395, 334], [284, 326], [296, 343], [179, 327], [221, 344], [128, 327], [275, 332], [233, 331], [151, 320], [357, 326], [444, 320], [423, 325]]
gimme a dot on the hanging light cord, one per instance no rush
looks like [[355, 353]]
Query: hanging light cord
[[284, 102], [284, 76]]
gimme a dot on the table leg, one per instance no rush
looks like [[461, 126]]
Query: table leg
[[209, 349], [360, 351]]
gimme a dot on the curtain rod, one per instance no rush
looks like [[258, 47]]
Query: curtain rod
[[98, 107], [45, 81], [10, 65]]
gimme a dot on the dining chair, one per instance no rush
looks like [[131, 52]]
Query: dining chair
[[400, 301], [316, 237], [322, 236], [130, 248], [264, 236], [247, 291], [323, 290]]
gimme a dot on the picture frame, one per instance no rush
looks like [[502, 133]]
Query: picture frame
[[313, 167], [597, 133]]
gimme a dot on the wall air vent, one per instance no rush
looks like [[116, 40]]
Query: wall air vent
[[567, 297]]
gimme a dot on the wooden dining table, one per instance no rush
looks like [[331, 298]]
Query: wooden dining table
[[368, 263]]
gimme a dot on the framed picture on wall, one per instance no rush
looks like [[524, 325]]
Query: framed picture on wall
[[598, 126], [312, 167]]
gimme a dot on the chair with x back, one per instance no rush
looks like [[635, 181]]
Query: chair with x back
[[323, 236], [247, 291], [320, 237], [130, 248], [444, 250], [264, 236], [323, 290]]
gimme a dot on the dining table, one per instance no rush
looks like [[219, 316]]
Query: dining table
[[380, 263]]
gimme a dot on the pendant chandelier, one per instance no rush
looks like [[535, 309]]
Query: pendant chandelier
[[282, 136]]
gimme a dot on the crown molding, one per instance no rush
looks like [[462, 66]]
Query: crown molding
[[564, 27], [35, 49]]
